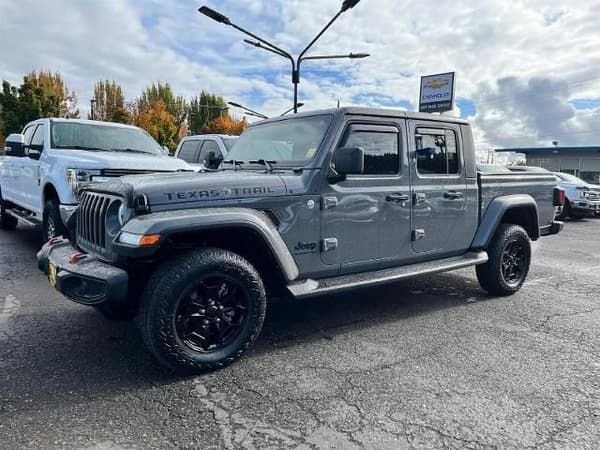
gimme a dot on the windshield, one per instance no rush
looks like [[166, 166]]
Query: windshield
[[291, 142], [229, 142], [571, 178], [87, 136]]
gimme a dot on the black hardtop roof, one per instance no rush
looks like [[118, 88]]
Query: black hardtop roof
[[373, 112]]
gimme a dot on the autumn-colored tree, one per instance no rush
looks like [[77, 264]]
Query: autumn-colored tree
[[110, 103], [156, 120], [204, 109], [176, 106], [226, 125]]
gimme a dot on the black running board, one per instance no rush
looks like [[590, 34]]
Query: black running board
[[310, 288], [23, 217]]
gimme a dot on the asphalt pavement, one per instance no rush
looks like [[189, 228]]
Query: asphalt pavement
[[427, 363]]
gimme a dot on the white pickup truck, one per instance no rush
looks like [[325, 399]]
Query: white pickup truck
[[47, 163]]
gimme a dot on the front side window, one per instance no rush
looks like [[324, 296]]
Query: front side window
[[382, 153], [437, 152], [292, 142], [38, 136], [86, 136], [28, 133]]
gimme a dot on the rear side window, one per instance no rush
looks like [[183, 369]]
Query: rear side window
[[189, 151], [437, 152], [382, 152]]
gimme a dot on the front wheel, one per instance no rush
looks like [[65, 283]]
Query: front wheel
[[509, 260], [202, 310], [52, 224]]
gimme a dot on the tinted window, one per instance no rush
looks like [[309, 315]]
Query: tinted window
[[187, 152], [38, 136], [437, 152], [382, 154], [229, 142], [208, 148]]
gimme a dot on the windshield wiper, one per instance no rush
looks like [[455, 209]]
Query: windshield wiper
[[264, 162], [81, 147], [236, 163], [132, 150]]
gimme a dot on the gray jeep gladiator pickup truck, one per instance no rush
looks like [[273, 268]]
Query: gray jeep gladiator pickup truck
[[306, 205]]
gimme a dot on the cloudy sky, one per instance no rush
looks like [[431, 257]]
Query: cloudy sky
[[528, 71]]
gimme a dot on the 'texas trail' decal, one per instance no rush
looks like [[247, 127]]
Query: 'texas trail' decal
[[215, 193]]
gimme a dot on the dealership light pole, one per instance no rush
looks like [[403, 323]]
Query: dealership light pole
[[296, 62], [93, 102]]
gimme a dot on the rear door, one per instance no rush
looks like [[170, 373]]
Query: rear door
[[444, 209], [366, 218]]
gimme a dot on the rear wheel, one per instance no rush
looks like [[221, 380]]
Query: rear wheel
[[7, 222], [509, 260], [202, 310], [52, 225]]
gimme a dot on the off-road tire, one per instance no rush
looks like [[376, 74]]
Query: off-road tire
[[52, 224], [491, 275], [7, 222], [166, 288]]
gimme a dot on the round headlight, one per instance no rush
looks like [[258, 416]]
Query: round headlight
[[122, 214], [115, 217]]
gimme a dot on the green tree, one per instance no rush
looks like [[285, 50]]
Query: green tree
[[42, 94], [204, 109], [110, 103]]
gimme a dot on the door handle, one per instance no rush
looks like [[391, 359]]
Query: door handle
[[453, 195], [397, 197]]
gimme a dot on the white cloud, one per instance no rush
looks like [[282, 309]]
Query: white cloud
[[520, 62]]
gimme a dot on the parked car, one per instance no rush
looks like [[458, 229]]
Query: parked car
[[582, 198], [51, 159], [305, 205], [205, 151]]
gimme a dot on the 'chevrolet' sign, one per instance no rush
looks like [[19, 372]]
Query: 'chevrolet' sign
[[437, 93]]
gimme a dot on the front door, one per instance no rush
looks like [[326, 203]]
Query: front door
[[30, 181], [442, 204], [366, 218]]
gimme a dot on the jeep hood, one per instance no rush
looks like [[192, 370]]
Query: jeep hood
[[166, 189]]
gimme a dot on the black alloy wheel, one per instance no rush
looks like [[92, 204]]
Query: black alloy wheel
[[211, 314]]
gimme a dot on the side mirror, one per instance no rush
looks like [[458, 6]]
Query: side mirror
[[34, 151], [349, 161], [166, 150], [15, 145], [212, 160]]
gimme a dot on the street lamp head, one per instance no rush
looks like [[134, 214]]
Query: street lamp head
[[253, 43], [358, 55], [235, 105], [349, 4], [214, 15]]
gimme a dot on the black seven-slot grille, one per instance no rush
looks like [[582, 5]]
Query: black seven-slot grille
[[91, 220]]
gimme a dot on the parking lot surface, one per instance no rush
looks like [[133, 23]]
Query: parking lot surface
[[428, 363]]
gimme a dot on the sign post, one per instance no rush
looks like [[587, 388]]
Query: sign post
[[437, 93]]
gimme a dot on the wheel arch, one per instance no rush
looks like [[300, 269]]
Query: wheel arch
[[515, 209], [49, 193], [250, 233]]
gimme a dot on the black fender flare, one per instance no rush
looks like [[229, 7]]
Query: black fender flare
[[168, 223], [496, 210]]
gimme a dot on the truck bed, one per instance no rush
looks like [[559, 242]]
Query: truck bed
[[539, 186]]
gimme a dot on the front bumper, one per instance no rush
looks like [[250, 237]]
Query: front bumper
[[554, 228], [585, 207], [87, 281]]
